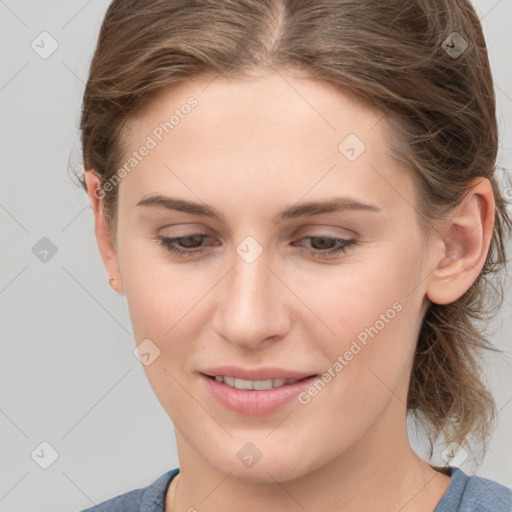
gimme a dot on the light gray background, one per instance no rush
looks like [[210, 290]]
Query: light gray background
[[68, 375]]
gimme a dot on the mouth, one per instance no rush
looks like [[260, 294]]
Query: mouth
[[255, 397], [255, 385]]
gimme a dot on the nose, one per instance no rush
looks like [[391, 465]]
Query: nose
[[252, 305]]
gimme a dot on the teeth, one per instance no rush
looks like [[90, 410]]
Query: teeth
[[230, 381], [257, 385]]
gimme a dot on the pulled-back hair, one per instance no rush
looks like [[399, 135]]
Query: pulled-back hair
[[438, 108]]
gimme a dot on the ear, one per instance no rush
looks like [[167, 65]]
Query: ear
[[464, 239], [103, 236]]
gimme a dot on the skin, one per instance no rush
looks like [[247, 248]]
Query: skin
[[249, 149]]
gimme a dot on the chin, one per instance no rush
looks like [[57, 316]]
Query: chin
[[260, 466]]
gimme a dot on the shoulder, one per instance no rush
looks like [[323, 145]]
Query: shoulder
[[474, 494], [486, 495], [144, 499]]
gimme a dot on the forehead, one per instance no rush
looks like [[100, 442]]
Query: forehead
[[266, 105], [276, 132]]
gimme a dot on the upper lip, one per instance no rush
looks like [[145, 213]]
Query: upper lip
[[264, 373]]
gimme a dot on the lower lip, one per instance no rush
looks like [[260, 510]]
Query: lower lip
[[252, 402]]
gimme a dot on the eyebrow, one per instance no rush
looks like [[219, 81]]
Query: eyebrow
[[329, 205]]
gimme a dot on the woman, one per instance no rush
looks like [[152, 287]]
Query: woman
[[299, 201]]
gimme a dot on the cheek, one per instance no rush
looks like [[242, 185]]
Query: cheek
[[372, 310], [364, 293], [166, 306], [160, 293]]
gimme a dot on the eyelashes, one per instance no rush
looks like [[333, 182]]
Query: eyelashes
[[335, 245]]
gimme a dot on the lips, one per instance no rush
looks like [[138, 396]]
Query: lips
[[254, 402]]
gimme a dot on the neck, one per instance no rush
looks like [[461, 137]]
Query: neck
[[371, 475]]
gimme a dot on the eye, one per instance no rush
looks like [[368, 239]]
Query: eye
[[327, 247], [189, 244]]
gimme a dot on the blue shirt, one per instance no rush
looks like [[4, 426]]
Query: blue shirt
[[464, 494]]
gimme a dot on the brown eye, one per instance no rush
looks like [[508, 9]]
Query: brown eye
[[190, 245], [326, 246], [190, 242]]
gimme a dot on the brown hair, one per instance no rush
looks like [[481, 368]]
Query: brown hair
[[439, 108]]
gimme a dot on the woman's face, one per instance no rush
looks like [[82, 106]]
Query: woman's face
[[258, 288]]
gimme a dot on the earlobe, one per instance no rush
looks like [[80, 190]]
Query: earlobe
[[464, 244], [103, 236]]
